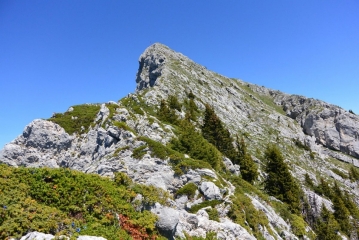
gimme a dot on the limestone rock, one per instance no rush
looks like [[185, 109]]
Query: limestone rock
[[168, 219], [37, 236], [210, 191]]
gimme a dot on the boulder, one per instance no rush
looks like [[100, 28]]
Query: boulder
[[167, 219], [210, 191]]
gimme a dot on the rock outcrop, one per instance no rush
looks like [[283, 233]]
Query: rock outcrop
[[332, 126]]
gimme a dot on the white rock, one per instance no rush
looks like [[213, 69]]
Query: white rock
[[210, 191]]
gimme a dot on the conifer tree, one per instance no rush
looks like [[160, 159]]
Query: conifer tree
[[192, 142], [341, 213], [167, 114], [215, 133], [327, 227], [279, 182], [244, 159]]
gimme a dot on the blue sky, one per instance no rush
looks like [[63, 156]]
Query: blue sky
[[54, 54]]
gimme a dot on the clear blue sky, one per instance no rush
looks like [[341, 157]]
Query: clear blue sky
[[54, 54]]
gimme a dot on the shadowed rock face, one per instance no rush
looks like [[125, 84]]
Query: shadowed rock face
[[332, 126]]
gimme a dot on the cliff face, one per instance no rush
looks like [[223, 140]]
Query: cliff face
[[121, 130]]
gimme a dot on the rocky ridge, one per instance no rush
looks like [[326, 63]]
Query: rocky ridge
[[259, 114]]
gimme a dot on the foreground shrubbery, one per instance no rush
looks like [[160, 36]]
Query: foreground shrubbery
[[62, 201]]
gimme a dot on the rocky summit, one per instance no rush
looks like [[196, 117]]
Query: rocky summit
[[191, 154]]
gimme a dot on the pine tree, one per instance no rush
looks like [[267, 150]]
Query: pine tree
[[167, 114], [215, 133], [192, 142], [327, 227], [244, 159], [279, 182], [341, 213]]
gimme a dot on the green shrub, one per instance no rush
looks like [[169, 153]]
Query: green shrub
[[124, 126], [167, 114], [139, 152], [173, 103], [213, 214], [279, 182], [189, 189], [353, 174], [59, 201], [340, 173], [191, 142], [82, 115], [204, 204], [118, 150]]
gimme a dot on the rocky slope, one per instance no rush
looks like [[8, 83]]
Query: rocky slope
[[316, 138]]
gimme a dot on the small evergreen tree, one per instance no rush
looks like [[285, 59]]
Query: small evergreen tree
[[249, 170], [279, 182], [192, 142], [341, 213], [327, 227], [353, 174], [167, 114], [173, 103], [215, 133]]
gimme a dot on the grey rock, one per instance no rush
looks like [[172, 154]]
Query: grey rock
[[37, 236], [231, 167], [84, 237], [210, 191], [167, 219], [332, 126]]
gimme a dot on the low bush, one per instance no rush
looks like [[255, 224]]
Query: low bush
[[204, 204], [80, 116], [62, 201], [189, 190]]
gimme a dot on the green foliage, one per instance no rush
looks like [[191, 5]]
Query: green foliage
[[249, 170], [323, 189], [353, 174], [167, 114], [58, 201], [123, 125], [82, 115], [296, 221], [137, 105], [243, 212], [343, 205], [192, 142], [173, 103], [192, 111], [204, 204], [112, 108], [340, 173], [341, 214], [189, 189], [151, 194], [191, 95], [122, 179], [188, 163], [327, 227], [158, 149], [214, 131], [118, 150], [298, 225], [279, 182], [308, 181], [209, 236], [213, 214], [139, 152]]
